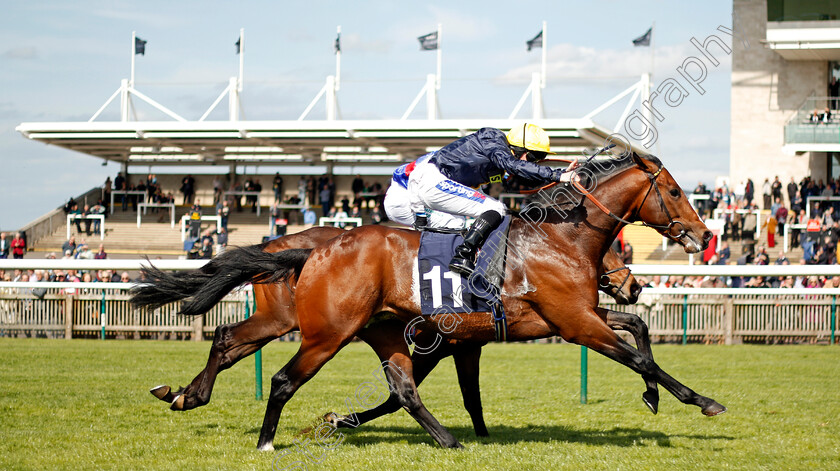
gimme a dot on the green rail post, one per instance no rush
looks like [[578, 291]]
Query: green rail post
[[685, 319], [102, 315], [584, 374], [257, 361], [833, 317]]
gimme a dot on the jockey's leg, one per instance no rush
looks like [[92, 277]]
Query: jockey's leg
[[428, 188], [397, 205]]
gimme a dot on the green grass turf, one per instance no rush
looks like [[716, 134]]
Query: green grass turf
[[85, 404]]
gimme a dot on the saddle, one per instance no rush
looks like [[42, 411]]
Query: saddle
[[446, 292]]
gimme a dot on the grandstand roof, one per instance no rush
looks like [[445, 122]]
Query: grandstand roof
[[291, 142]]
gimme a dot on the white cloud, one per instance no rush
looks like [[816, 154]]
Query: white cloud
[[26, 52], [572, 61]]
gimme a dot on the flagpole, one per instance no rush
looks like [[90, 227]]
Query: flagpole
[[544, 48], [652, 48], [133, 53], [241, 58], [439, 48], [338, 60]]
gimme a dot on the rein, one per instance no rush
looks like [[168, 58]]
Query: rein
[[605, 282], [666, 229]]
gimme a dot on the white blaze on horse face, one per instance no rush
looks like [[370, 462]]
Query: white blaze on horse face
[[415, 283]]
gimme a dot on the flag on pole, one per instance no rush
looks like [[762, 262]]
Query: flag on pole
[[428, 42], [139, 46], [337, 43], [536, 42], [238, 45], [644, 40]]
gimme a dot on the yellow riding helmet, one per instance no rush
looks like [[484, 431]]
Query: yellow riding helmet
[[529, 136]]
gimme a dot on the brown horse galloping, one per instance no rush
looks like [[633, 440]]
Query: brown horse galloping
[[370, 270], [275, 316]]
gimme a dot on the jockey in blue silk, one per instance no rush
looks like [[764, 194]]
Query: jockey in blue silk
[[444, 181]]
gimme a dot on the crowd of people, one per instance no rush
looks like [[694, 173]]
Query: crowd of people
[[817, 231]]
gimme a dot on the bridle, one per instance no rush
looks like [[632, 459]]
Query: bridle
[[605, 282], [662, 229]]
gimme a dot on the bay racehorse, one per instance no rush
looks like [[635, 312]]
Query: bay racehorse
[[275, 316], [344, 283]]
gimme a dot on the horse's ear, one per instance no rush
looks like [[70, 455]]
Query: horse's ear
[[639, 161]]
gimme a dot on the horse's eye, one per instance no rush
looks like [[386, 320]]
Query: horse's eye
[[675, 193]]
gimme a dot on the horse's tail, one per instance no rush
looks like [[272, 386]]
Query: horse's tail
[[203, 288]]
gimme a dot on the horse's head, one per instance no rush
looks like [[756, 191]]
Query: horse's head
[[664, 207], [617, 281]]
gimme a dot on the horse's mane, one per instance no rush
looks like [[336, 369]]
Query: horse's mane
[[592, 173]]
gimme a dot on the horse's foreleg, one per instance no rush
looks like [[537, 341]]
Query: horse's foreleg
[[467, 358], [602, 339], [639, 330], [231, 343], [396, 361], [377, 337]]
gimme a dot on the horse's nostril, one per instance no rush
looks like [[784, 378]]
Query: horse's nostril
[[707, 236]]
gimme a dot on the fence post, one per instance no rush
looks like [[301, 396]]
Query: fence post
[[68, 316], [257, 362], [198, 328], [833, 317], [102, 314], [584, 375], [685, 319], [728, 319]]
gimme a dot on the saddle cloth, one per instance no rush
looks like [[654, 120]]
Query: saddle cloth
[[443, 291]]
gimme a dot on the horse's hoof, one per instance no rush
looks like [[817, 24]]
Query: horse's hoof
[[178, 403], [651, 399], [713, 409], [332, 418], [266, 447], [162, 392]]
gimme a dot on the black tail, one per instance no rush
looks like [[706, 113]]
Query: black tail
[[203, 288]]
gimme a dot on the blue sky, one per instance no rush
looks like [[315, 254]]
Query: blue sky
[[60, 61]]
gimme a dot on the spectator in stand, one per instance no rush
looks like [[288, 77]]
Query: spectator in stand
[[98, 209], [277, 186], [627, 253], [827, 219], [724, 253], [776, 188], [302, 193], [781, 217], [223, 211], [101, 254], [125, 277], [277, 222], [106, 191], [206, 251], [120, 185], [749, 192], [792, 189], [195, 219], [188, 189], [195, 251], [5, 245], [83, 252], [324, 198], [766, 191], [218, 189], [222, 238], [18, 246], [770, 224], [358, 187]]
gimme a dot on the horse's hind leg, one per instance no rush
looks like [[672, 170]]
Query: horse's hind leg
[[467, 358], [231, 343], [602, 339], [639, 330]]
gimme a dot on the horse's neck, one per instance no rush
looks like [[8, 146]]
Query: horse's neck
[[585, 229]]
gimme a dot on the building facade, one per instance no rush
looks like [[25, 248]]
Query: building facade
[[785, 69]]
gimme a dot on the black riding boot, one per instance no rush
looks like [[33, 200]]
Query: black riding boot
[[464, 260]]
